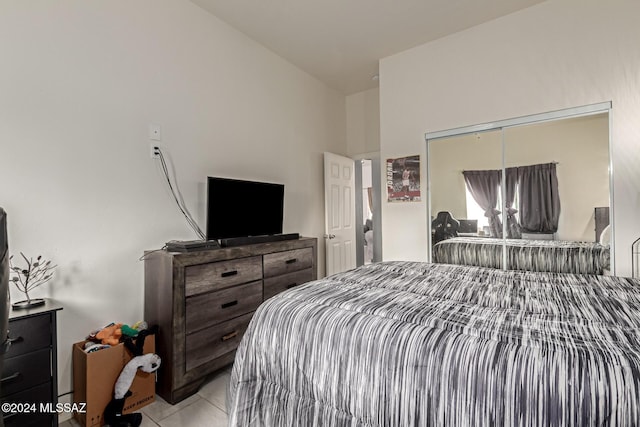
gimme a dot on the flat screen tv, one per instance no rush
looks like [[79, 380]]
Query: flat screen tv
[[237, 208]]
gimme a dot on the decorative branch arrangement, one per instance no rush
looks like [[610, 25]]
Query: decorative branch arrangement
[[36, 273]]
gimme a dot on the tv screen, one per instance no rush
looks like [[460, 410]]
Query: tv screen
[[237, 208]]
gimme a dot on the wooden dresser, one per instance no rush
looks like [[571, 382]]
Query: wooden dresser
[[203, 302], [29, 374]]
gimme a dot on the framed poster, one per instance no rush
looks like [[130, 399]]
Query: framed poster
[[403, 179]]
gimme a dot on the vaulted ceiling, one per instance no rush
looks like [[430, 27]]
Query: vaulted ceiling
[[341, 41]]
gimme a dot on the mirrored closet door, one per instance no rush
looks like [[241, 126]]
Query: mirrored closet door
[[464, 177], [530, 193]]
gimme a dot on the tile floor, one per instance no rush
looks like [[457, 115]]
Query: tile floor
[[207, 408]]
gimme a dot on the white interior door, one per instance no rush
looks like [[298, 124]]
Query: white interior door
[[339, 205]]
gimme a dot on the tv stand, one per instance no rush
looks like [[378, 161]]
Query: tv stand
[[251, 240], [203, 301]]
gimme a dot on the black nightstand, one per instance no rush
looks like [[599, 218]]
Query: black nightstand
[[30, 373]]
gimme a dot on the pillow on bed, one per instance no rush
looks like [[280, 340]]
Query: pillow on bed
[[605, 236]]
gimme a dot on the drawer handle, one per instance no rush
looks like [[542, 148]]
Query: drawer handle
[[229, 336], [11, 377], [291, 261], [229, 273], [15, 340], [291, 285], [229, 304]]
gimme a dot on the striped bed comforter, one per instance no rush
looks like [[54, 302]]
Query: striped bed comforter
[[555, 256], [417, 344]]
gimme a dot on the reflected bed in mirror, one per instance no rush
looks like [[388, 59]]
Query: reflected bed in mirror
[[559, 256]]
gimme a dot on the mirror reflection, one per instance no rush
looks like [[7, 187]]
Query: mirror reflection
[[529, 197], [465, 230]]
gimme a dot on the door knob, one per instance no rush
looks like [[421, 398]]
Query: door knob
[[329, 236]]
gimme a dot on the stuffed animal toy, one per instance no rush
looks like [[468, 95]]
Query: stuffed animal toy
[[110, 334], [136, 348], [113, 412], [133, 331], [147, 363]]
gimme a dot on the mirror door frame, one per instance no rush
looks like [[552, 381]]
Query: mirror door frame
[[376, 181], [599, 108]]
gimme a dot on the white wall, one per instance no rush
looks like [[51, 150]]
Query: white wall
[[555, 55], [79, 84], [363, 122]]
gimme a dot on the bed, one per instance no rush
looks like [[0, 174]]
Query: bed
[[531, 255], [418, 344]]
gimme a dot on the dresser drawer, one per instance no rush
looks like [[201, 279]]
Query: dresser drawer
[[211, 343], [29, 334], [222, 274], [275, 285], [279, 263], [209, 309], [25, 371], [36, 395]]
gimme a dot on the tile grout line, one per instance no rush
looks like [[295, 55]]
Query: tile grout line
[[214, 404], [173, 412]]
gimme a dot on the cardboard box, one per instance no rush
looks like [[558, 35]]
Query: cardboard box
[[95, 375]]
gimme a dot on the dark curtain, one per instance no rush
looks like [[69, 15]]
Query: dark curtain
[[513, 227], [539, 203], [484, 186]]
